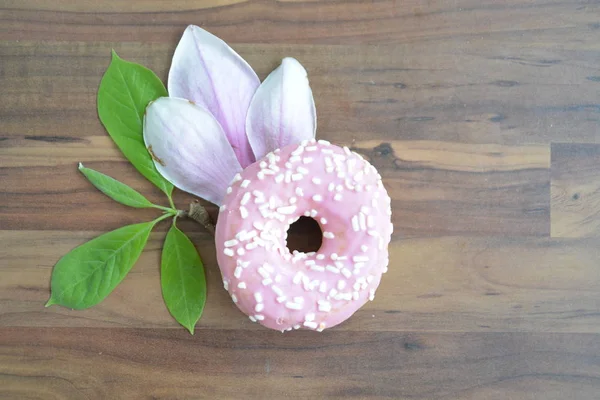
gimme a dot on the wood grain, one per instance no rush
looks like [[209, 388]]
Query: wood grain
[[483, 119], [438, 284], [575, 190], [225, 364]]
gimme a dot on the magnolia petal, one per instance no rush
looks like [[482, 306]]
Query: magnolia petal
[[211, 74], [282, 111], [189, 148]]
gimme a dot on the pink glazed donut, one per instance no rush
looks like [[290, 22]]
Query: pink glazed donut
[[318, 290]]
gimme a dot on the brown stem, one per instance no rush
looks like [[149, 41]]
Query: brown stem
[[198, 213]]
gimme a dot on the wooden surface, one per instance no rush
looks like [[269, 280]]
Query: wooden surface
[[483, 118]]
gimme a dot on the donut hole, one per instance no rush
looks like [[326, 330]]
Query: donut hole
[[304, 235]]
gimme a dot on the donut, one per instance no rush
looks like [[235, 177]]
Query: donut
[[317, 290]]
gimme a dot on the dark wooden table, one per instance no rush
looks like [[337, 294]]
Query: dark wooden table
[[482, 117]]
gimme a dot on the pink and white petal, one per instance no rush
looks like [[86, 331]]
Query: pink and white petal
[[282, 111], [211, 74], [189, 148]]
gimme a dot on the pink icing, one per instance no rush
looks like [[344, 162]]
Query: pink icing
[[318, 290]]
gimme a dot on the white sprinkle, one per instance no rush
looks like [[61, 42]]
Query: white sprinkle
[[359, 265], [288, 165], [369, 278], [356, 285], [293, 200], [333, 269], [234, 298], [331, 186], [279, 178], [339, 188], [324, 306], [309, 317], [277, 290], [245, 183], [299, 192], [259, 317], [373, 233], [241, 251], [362, 221], [245, 198], [272, 202], [286, 210], [341, 284], [321, 327], [307, 160], [360, 258], [310, 324], [297, 177], [299, 299], [252, 318], [228, 252], [317, 197], [320, 256], [323, 287], [258, 297], [294, 158], [316, 181], [288, 176], [355, 295], [298, 150], [222, 208], [237, 177], [372, 294], [263, 272], [258, 225], [238, 272], [339, 264], [328, 162], [293, 306], [317, 268], [259, 307], [302, 170], [309, 262], [310, 148], [370, 221], [297, 326], [346, 272], [267, 281], [337, 197], [251, 246], [351, 162], [263, 164], [307, 213], [243, 212], [278, 278], [226, 284], [323, 221], [328, 235], [306, 283], [332, 292], [355, 226], [242, 285], [230, 243], [281, 299], [324, 142], [268, 268], [297, 278], [229, 190], [364, 248]]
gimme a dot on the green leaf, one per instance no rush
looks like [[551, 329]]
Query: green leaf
[[86, 275], [125, 91], [114, 189], [182, 279]]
